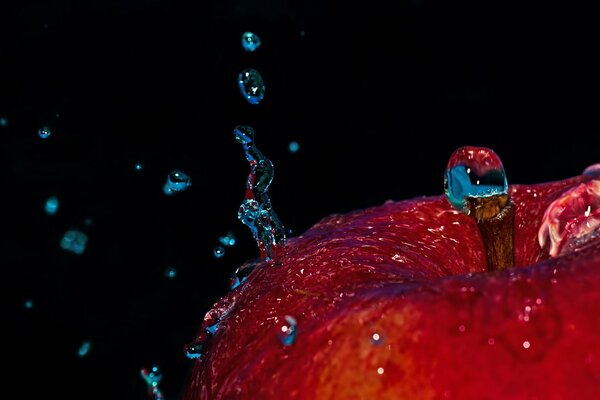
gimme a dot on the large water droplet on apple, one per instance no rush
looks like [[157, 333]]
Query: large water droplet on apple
[[241, 274], [473, 172], [287, 330], [572, 221], [251, 86], [256, 211], [194, 350], [152, 377]]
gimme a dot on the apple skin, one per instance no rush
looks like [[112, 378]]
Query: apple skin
[[412, 272]]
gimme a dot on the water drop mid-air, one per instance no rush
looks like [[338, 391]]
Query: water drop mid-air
[[74, 241], [250, 41], [177, 181], [251, 86], [44, 132], [51, 206]]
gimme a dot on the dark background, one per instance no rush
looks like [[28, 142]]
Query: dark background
[[377, 95]]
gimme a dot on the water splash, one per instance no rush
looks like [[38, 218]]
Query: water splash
[[250, 41], [51, 206], [286, 330], [44, 132], [74, 241], [228, 239], [256, 211], [251, 86], [177, 181], [152, 377], [84, 349]]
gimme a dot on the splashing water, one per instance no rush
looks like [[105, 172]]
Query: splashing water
[[51, 206], [251, 86], [44, 132], [250, 41], [256, 211], [74, 241], [152, 377], [84, 349]]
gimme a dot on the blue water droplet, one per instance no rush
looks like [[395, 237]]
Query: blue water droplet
[[376, 338], [3, 122], [171, 272], [287, 330], [219, 251], [251, 85], [28, 304], [177, 181], [227, 240], [256, 211], [250, 41], [139, 166], [44, 132], [194, 350], [241, 273], [212, 329], [294, 147], [84, 349], [152, 377], [74, 241], [51, 206]]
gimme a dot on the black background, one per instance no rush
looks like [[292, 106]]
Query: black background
[[377, 94]]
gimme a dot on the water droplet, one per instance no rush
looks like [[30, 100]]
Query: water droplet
[[212, 329], [573, 220], [139, 166], [84, 349], [256, 211], [51, 206], [241, 274], [44, 132], [250, 41], [380, 371], [526, 344], [194, 350], [251, 86], [376, 339], [219, 251], [177, 181], [473, 172], [28, 304], [593, 169], [74, 241], [171, 272], [152, 377], [294, 147], [227, 240], [3, 122], [286, 330]]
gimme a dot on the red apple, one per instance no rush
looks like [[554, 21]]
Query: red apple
[[394, 302]]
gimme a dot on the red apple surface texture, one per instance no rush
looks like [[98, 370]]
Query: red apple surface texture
[[393, 302]]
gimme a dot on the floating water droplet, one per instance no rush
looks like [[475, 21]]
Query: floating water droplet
[[152, 377], [219, 251], [250, 41], [251, 85], [194, 350], [171, 272], [51, 206], [177, 181], [473, 172], [44, 132], [3, 122], [287, 330], [28, 304], [227, 240], [294, 147], [84, 349], [139, 166], [256, 211], [74, 241]]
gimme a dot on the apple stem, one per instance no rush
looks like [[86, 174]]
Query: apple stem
[[495, 217]]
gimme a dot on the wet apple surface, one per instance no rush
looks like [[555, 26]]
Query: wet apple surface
[[395, 302]]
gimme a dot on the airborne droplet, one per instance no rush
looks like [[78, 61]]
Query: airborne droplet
[[84, 349], [251, 85], [294, 147], [286, 330], [152, 377], [51, 206], [171, 272], [250, 41], [74, 241], [228, 239], [219, 251], [177, 181], [44, 132]]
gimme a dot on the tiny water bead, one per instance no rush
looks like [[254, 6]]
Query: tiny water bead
[[74, 241], [51, 206], [250, 41], [194, 350], [171, 272], [256, 211], [28, 304], [294, 147], [152, 377], [138, 166], [251, 86], [287, 330], [227, 240], [473, 172], [84, 349], [44, 132], [3, 122], [219, 252], [177, 181]]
